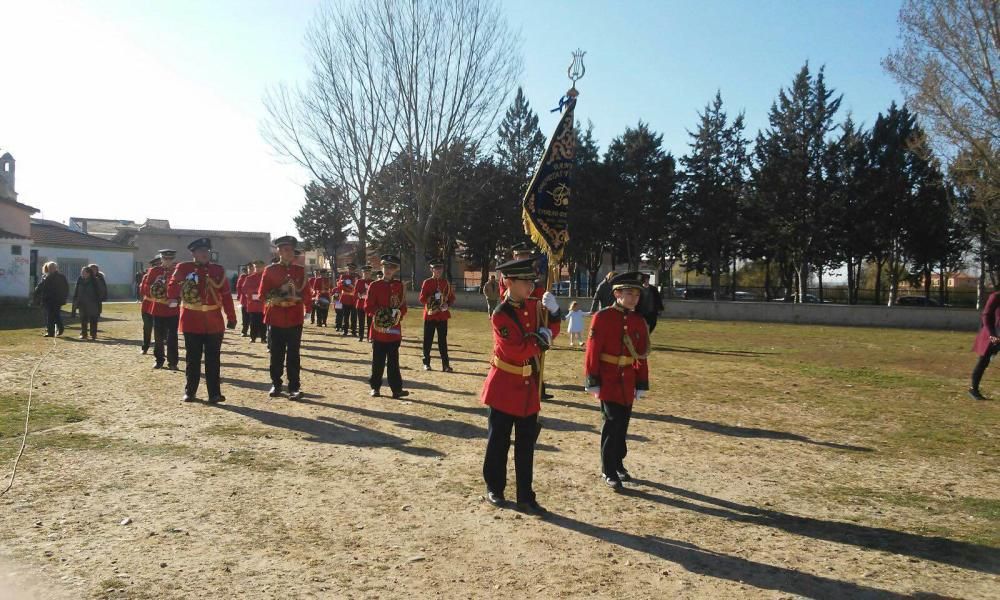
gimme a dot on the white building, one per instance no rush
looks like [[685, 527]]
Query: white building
[[73, 250]]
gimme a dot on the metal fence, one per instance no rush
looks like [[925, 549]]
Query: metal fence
[[964, 298]]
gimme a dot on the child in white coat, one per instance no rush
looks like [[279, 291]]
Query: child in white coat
[[575, 318]]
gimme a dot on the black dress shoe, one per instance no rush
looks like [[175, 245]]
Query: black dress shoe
[[275, 391], [532, 507], [158, 366], [172, 367], [623, 475], [614, 484], [496, 500], [400, 394], [375, 394], [188, 397], [427, 367], [547, 396], [975, 395], [144, 350], [296, 395], [48, 335], [216, 399]]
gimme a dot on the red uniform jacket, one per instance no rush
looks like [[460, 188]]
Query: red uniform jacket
[[989, 320], [147, 302], [384, 296], [239, 288], [516, 394], [252, 299], [609, 363], [203, 293], [286, 294], [322, 287], [362, 292], [429, 298], [347, 289], [155, 301]]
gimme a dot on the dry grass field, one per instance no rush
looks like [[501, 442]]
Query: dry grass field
[[771, 461]]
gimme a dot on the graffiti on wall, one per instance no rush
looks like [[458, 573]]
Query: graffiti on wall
[[16, 269]]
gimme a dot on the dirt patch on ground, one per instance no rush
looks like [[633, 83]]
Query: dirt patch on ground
[[770, 462]]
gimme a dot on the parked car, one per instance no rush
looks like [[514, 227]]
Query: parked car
[[809, 299], [695, 294], [745, 297], [918, 301]]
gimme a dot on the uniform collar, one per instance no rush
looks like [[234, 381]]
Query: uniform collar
[[617, 306]]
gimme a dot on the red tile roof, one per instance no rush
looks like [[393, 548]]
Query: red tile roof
[[50, 233]]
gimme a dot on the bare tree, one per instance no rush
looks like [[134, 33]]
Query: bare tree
[[453, 64], [339, 124], [949, 67]]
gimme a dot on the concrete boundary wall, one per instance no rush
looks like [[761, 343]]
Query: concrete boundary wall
[[954, 319]]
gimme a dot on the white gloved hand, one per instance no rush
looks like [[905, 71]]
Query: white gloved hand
[[444, 307], [596, 390], [640, 393], [549, 301], [546, 333], [395, 314]]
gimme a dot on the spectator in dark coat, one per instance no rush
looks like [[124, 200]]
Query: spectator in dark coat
[[51, 293], [87, 299], [650, 303], [603, 295]]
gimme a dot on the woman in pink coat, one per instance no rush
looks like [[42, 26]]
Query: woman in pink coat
[[987, 342]]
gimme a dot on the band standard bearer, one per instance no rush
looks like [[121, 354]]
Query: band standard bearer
[[523, 328]]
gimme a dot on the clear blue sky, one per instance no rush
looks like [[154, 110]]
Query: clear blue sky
[[142, 108]]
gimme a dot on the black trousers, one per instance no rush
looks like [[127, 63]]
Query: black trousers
[[386, 354], [209, 346], [364, 326], [285, 343], [338, 319], [165, 332], [350, 320], [245, 320], [441, 328], [147, 330], [53, 318], [651, 321], [258, 331], [364, 322], [320, 315], [981, 364], [525, 430], [613, 448]]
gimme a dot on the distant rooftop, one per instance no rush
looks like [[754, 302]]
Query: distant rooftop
[[53, 233]]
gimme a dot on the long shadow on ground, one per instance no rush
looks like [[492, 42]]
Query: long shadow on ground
[[331, 431], [448, 427], [721, 566], [966, 555], [690, 350], [720, 428]]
